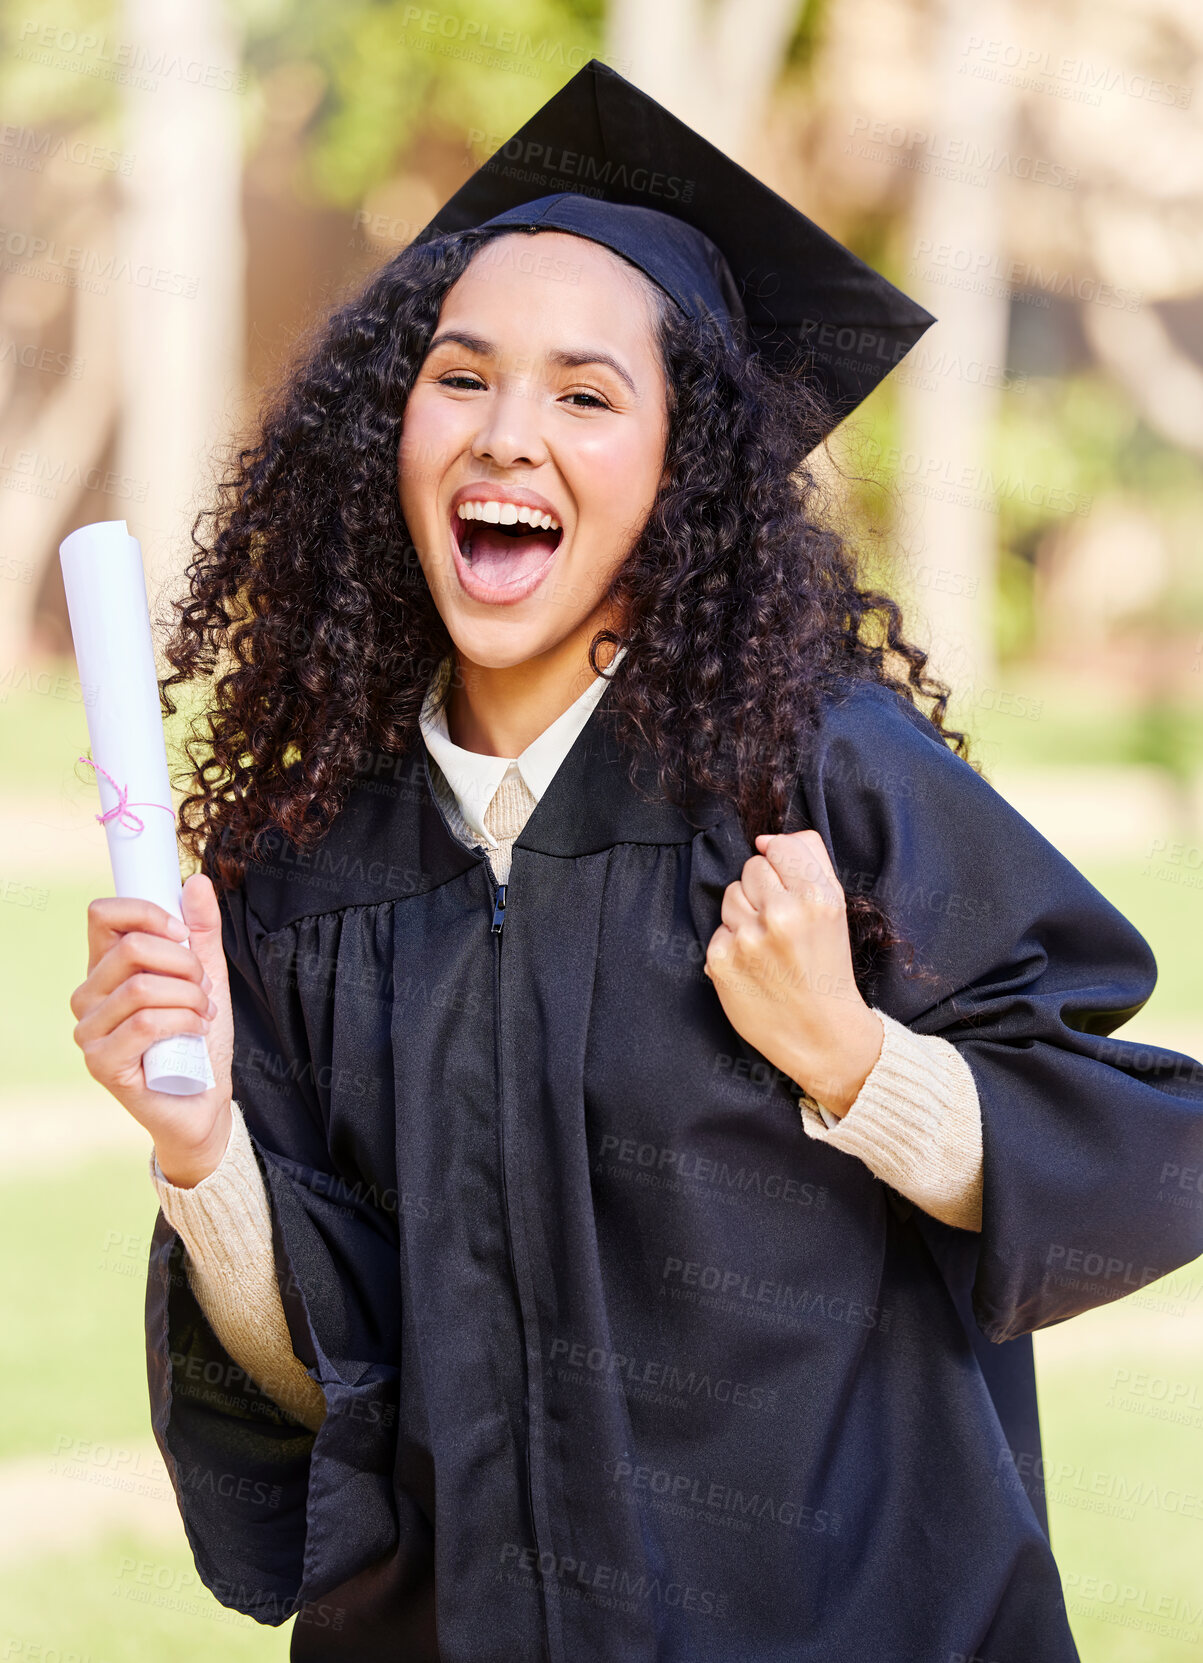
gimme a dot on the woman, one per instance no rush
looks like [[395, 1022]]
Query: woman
[[503, 1305]]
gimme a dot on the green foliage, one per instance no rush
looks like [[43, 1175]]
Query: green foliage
[[863, 449], [807, 38], [389, 72], [1015, 604], [1061, 442], [60, 64], [1072, 730], [1167, 734], [392, 72]]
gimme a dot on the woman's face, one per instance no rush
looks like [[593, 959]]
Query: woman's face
[[533, 443]]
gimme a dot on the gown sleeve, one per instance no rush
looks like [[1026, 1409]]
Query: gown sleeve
[[1030, 971], [276, 1513], [225, 1223]]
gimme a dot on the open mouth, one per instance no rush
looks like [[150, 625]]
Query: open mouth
[[502, 544]]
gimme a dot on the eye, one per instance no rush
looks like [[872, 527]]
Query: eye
[[471, 382], [592, 401]]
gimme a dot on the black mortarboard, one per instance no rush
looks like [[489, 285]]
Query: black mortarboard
[[607, 162]]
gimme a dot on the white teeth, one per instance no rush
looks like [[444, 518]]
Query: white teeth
[[507, 513]]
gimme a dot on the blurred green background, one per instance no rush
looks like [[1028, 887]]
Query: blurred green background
[[1028, 482]]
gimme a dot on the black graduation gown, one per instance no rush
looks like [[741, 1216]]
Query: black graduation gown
[[620, 1364]]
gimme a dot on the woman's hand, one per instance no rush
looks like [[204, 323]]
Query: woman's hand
[[143, 985], [781, 963]]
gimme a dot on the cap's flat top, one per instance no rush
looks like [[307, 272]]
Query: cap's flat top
[[811, 304]]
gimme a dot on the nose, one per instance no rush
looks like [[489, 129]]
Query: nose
[[509, 433]]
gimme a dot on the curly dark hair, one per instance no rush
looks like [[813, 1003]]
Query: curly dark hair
[[309, 617]]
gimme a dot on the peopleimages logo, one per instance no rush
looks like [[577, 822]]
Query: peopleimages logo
[[688, 1492], [603, 172], [739, 1291], [1063, 75], [85, 52], [949, 156], [856, 345], [577, 1362], [28, 253], [979, 266], [608, 1583]]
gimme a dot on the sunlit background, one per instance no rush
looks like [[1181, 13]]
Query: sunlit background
[[186, 185]]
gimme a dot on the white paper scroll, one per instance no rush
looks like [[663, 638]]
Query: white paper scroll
[[110, 625]]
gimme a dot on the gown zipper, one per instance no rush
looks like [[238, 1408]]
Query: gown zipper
[[498, 907], [498, 922], [495, 929]]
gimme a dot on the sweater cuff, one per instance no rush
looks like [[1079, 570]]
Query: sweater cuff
[[916, 1124], [225, 1218]]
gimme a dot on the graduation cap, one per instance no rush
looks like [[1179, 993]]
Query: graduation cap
[[603, 160]]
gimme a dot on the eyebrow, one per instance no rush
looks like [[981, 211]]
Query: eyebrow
[[576, 360], [474, 343], [565, 359]]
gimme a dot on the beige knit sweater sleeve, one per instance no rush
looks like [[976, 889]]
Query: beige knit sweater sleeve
[[916, 1123], [225, 1225]]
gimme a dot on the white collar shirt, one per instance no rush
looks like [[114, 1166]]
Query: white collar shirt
[[474, 777]]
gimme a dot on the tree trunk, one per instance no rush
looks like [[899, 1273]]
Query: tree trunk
[[714, 66], [948, 405], [182, 338]]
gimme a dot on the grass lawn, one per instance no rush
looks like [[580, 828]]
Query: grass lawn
[[71, 1350], [1170, 917], [1121, 1397], [73, 1270], [128, 1601]]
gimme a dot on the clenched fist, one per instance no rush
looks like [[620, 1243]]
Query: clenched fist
[[781, 963], [143, 985]]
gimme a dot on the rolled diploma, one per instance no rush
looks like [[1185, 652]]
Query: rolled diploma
[[110, 625]]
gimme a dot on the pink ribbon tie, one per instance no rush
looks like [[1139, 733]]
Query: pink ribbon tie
[[121, 809]]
